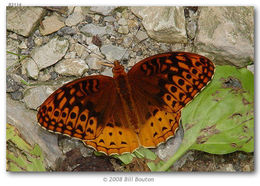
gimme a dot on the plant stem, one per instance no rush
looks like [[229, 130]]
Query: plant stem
[[174, 158]]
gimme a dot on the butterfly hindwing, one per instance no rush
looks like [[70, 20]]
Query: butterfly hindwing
[[158, 128]]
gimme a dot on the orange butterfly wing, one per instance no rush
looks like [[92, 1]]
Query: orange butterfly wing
[[73, 108], [163, 84], [84, 109], [172, 79]]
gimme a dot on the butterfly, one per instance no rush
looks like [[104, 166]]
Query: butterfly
[[139, 108]]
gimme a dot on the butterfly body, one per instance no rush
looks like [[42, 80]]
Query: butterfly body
[[125, 92], [139, 108]]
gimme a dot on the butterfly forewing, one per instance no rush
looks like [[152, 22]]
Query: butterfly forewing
[[172, 79], [79, 108]]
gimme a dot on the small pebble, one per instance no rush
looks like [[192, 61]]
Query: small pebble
[[139, 52], [18, 95], [242, 156], [89, 19], [54, 75], [230, 168], [246, 168]]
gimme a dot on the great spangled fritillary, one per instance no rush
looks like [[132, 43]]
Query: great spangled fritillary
[[139, 108]]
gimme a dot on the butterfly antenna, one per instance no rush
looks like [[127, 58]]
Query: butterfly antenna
[[107, 64], [98, 55]]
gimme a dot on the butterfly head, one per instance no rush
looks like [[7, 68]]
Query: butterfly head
[[118, 69]]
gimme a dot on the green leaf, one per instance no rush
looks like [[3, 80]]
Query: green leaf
[[25, 83], [145, 153], [20, 155], [125, 158], [221, 118], [139, 153]]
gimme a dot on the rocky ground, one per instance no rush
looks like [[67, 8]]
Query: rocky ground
[[49, 46]]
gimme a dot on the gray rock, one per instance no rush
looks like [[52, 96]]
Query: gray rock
[[75, 18], [242, 156], [141, 35], [71, 67], [164, 24], [51, 24], [227, 34], [18, 95], [43, 76], [11, 84], [251, 68], [25, 121], [110, 30], [125, 13], [34, 97], [191, 15], [80, 38], [12, 47], [164, 47], [54, 75], [70, 10], [38, 41], [18, 78], [80, 50], [66, 31], [68, 144], [89, 19], [135, 60], [128, 41], [167, 150], [180, 162], [191, 29], [22, 45], [123, 29], [31, 68], [91, 29], [179, 47], [229, 168], [23, 20], [104, 10], [97, 17], [13, 36], [113, 52], [70, 55], [93, 62], [107, 72], [109, 19], [139, 53], [122, 21], [50, 53], [30, 42], [95, 49], [246, 168]]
